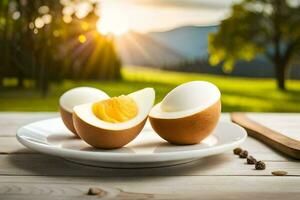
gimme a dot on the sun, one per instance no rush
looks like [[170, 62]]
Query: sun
[[113, 19], [111, 27], [112, 22]]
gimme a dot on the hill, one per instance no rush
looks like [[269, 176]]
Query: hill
[[185, 49], [190, 41], [141, 49]]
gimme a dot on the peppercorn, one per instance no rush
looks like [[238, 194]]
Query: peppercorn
[[237, 151], [260, 165], [243, 154], [251, 160]]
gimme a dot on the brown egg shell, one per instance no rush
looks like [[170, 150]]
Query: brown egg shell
[[188, 130], [104, 138], [67, 119]]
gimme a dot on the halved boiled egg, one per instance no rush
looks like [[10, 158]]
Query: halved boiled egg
[[188, 113], [114, 122], [74, 97]]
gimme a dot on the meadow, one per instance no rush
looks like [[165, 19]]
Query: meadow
[[238, 94]]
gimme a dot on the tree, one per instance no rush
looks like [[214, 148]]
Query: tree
[[259, 27], [48, 41]]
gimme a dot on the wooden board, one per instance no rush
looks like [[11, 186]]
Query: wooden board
[[26, 174], [277, 140], [10, 122], [151, 187]]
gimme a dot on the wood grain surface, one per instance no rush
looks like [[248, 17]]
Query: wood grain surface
[[280, 141], [25, 174]]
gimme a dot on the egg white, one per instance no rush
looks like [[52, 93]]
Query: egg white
[[186, 99], [80, 95]]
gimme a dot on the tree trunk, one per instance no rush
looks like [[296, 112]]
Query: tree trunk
[[20, 81], [280, 75]]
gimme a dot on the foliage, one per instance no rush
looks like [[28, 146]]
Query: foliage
[[258, 27], [48, 40], [238, 94]]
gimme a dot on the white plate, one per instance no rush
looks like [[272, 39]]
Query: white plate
[[147, 150]]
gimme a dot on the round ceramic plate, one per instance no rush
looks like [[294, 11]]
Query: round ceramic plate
[[147, 150]]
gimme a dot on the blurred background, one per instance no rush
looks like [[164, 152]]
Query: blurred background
[[249, 48]]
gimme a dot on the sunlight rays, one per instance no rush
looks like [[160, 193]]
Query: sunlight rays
[[129, 41], [113, 21]]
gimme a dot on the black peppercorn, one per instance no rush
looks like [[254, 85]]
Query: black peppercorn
[[260, 165], [251, 160], [237, 151], [243, 154]]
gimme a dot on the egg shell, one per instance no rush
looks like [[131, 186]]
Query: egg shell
[[66, 116], [190, 129], [106, 135], [104, 138]]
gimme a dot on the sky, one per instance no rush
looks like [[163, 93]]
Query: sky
[[160, 15]]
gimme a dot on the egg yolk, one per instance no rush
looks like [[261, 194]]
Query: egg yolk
[[116, 110]]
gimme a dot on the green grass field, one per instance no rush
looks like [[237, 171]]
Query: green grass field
[[238, 94]]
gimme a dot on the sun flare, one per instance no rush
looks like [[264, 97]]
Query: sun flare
[[111, 27], [112, 21]]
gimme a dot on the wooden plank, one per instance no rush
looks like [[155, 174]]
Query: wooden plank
[[285, 123], [41, 165], [10, 122], [276, 140], [152, 187], [10, 145], [27, 175]]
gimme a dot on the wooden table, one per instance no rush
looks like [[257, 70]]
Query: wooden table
[[25, 174]]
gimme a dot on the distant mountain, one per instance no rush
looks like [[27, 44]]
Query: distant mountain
[[164, 48], [190, 41], [141, 49], [185, 49]]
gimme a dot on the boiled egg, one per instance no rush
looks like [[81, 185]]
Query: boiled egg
[[74, 97], [188, 113], [114, 122]]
